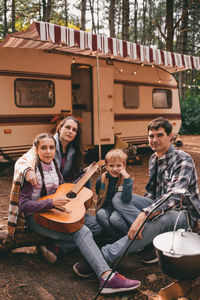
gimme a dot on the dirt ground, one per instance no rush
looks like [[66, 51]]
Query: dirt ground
[[25, 274]]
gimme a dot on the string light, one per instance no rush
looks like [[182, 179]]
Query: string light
[[189, 86], [142, 65]]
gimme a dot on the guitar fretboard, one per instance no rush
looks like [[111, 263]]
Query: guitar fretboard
[[78, 186]]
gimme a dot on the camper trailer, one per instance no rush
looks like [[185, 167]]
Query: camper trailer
[[112, 97]]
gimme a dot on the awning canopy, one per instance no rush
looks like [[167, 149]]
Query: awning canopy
[[47, 36]]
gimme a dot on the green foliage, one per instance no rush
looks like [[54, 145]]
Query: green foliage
[[190, 110]]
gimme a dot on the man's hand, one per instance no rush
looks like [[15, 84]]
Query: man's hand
[[31, 178], [136, 225]]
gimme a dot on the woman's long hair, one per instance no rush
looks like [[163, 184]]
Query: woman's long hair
[[78, 147], [36, 144]]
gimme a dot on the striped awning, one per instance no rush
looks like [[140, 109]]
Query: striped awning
[[47, 36]]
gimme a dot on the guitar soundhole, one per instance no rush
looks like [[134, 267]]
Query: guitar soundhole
[[71, 195]]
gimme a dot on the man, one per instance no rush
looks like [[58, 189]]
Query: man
[[169, 168]]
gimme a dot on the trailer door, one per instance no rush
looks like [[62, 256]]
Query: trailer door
[[103, 106]]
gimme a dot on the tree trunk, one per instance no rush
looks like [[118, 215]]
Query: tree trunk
[[135, 20], [48, 10], [83, 13], [40, 8], [44, 9], [112, 18], [92, 14], [5, 18], [184, 30], [169, 25], [125, 20], [149, 38], [144, 9], [98, 27], [13, 15], [66, 13]]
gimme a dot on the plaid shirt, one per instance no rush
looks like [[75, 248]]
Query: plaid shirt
[[16, 218], [176, 169]]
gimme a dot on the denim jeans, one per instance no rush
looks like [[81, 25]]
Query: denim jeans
[[111, 222], [129, 211], [83, 239], [152, 228], [92, 224]]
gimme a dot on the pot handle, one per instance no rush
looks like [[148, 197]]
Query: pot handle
[[171, 254], [182, 231]]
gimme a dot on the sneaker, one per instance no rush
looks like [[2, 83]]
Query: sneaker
[[83, 269], [50, 252], [149, 255], [118, 283]]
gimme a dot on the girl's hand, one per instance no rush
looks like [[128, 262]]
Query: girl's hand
[[31, 178], [94, 166], [60, 201], [124, 174]]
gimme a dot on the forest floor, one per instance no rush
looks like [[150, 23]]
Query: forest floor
[[25, 274]]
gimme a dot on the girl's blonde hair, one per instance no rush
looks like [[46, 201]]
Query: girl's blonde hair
[[116, 154]]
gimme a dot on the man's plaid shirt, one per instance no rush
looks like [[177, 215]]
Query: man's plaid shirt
[[176, 169]]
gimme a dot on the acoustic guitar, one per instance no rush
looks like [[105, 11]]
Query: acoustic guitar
[[71, 217]]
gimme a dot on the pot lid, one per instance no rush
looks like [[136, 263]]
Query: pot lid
[[178, 243]]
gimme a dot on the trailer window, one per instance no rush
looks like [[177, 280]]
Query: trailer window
[[162, 98], [130, 96], [34, 93]]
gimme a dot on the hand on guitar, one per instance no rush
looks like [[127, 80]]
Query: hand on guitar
[[95, 166], [60, 201]]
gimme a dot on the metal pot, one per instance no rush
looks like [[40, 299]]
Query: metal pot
[[179, 253]]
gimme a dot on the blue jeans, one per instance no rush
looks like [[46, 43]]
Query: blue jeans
[[152, 228], [83, 239], [129, 211], [111, 222], [92, 224]]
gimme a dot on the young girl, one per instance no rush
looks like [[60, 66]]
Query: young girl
[[69, 158], [114, 180], [48, 177]]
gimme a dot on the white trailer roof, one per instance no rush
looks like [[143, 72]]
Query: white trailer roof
[[47, 36]]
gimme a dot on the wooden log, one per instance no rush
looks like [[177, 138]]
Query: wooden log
[[21, 239]]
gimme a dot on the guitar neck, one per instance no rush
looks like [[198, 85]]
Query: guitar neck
[[78, 186]]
